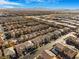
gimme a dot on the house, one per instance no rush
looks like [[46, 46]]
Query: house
[[47, 54], [20, 48], [77, 56], [63, 52], [9, 51]]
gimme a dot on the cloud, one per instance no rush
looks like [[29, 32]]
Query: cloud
[[43, 1], [9, 4], [2, 2], [37, 0], [26, 3], [6, 6]]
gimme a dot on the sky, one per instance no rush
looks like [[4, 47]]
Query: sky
[[51, 4]]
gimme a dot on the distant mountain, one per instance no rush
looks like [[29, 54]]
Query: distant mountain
[[39, 9]]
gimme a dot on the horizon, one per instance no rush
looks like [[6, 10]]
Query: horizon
[[45, 4]]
